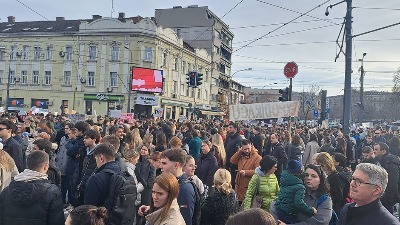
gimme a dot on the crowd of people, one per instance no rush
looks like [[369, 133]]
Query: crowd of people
[[209, 172]]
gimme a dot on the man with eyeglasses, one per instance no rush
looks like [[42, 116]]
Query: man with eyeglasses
[[378, 137], [367, 185], [11, 146], [391, 164], [366, 142]]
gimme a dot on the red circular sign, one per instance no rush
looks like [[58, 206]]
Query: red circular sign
[[290, 70]]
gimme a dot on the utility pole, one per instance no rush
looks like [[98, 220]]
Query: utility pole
[[8, 83], [347, 79], [130, 90], [361, 116]]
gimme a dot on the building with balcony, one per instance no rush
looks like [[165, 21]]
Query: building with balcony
[[84, 66], [201, 28]]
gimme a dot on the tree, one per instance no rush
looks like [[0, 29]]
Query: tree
[[309, 101]]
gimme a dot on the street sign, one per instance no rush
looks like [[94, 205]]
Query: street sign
[[315, 113], [290, 70]]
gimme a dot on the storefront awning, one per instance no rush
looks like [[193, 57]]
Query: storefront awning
[[212, 113]]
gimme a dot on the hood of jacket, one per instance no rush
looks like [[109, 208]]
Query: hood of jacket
[[114, 166], [259, 172], [25, 194], [288, 179], [30, 175]]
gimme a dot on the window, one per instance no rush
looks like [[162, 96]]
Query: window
[[189, 66], [12, 77], [13, 52], [2, 53], [184, 67], [90, 79], [47, 77], [49, 52], [182, 88], [25, 52], [148, 54], [205, 95], [176, 61], [175, 88], [198, 93], [67, 78], [165, 59], [68, 53], [114, 53], [35, 77], [24, 77], [36, 53], [92, 52], [187, 91], [206, 77], [1, 76], [113, 79]]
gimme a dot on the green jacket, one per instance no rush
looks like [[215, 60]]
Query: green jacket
[[291, 196], [269, 189]]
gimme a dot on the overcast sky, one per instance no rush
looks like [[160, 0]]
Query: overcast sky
[[309, 40]]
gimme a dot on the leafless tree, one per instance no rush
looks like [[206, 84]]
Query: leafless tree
[[309, 101]]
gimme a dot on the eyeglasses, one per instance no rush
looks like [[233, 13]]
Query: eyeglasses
[[3, 128], [358, 182]]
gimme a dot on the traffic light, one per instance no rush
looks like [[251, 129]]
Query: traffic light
[[285, 95], [191, 79], [199, 79]]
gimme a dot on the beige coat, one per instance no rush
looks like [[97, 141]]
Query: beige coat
[[6, 177], [248, 164], [174, 216]]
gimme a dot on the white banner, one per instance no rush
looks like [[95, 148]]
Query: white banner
[[263, 110], [141, 99], [158, 112]]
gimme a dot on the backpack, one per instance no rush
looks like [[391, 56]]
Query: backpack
[[345, 179], [197, 205], [334, 219], [120, 201]]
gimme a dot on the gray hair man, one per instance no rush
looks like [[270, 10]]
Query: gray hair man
[[367, 185]]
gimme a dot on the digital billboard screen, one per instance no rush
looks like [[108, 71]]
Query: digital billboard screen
[[147, 80]]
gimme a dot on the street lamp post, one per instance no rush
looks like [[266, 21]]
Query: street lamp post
[[230, 82], [361, 116]]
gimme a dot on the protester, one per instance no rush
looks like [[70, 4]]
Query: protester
[[30, 198], [312, 147], [222, 203], [219, 150], [189, 169], [247, 159], [368, 184], [164, 209], [87, 215], [253, 216], [10, 145], [8, 169], [207, 164], [268, 184], [317, 196]]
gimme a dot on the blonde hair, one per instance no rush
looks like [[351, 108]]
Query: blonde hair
[[168, 183], [216, 139], [222, 181], [131, 153], [326, 160], [6, 161], [175, 142], [148, 139]]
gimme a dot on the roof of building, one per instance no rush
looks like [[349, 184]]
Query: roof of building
[[41, 26]]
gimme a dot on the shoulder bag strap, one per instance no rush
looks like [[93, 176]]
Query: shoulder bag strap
[[257, 192]]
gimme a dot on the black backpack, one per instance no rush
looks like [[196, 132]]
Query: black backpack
[[120, 201], [345, 179], [197, 206]]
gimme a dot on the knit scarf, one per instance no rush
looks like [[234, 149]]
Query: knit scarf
[[30, 175]]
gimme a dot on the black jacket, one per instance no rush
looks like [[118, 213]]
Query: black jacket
[[232, 143], [279, 153], [35, 202], [372, 214], [336, 191], [145, 174], [294, 151], [218, 207], [391, 164], [98, 185], [15, 150], [258, 142], [327, 148], [207, 165]]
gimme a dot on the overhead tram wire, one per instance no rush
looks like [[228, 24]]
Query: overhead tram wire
[[283, 25], [32, 10], [276, 24], [290, 10]]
